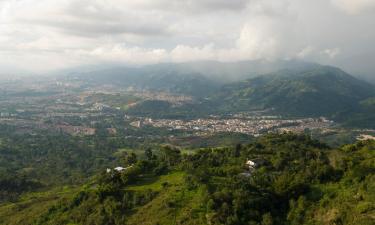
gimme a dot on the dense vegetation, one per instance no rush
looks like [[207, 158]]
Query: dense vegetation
[[296, 181], [42, 159]]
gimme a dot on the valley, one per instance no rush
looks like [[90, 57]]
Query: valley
[[60, 136], [197, 112], [77, 107]]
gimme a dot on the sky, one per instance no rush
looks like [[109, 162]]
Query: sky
[[39, 36]]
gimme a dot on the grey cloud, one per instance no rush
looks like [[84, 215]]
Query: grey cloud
[[354, 7], [195, 6], [144, 31], [93, 29], [220, 4], [87, 18]]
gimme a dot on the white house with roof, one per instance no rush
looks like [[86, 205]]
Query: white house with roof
[[251, 164], [118, 169]]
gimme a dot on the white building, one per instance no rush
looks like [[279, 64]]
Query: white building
[[118, 169], [251, 164]]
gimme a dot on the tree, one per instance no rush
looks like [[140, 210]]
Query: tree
[[267, 219], [148, 154], [130, 159], [171, 155], [237, 151]]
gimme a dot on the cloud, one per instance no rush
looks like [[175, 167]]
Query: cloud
[[306, 52], [187, 53], [123, 53], [42, 35], [265, 38], [331, 53], [86, 18], [354, 6], [190, 6]]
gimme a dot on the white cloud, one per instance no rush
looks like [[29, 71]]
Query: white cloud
[[42, 35], [265, 37], [189, 6], [187, 53], [306, 52], [122, 53], [354, 6], [331, 53]]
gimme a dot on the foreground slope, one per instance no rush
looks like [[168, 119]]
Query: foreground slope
[[295, 181]]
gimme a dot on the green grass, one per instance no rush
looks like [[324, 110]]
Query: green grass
[[156, 184], [32, 205], [175, 204], [114, 100], [120, 152]]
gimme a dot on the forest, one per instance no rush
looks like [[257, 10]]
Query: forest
[[293, 180]]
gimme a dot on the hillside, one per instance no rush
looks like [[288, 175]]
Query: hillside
[[198, 79], [298, 89], [321, 91], [166, 80], [295, 181]]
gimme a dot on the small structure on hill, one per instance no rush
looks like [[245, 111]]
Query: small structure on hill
[[251, 164], [118, 169]]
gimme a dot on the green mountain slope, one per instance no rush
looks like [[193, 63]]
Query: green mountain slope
[[296, 181], [321, 91]]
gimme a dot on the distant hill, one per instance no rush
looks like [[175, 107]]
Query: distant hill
[[193, 84], [320, 91], [192, 78], [227, 72]]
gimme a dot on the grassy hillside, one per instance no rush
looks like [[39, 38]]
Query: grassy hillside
[[33, 205], [296, 181]]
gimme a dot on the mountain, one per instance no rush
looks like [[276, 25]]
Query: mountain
[[192, 78], [320, 91], [227, 72], [362, 116], [187, 83]]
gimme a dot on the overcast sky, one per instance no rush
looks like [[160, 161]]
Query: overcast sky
[[45, 35]]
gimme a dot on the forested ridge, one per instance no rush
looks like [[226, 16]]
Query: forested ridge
[[296, 180]]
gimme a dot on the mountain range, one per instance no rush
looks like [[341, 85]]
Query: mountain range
[[290, 88]]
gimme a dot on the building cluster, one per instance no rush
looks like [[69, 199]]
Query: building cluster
[[365, 137], [247, 126], [57, 108], [307, 124], [76, 130], [164, 96]]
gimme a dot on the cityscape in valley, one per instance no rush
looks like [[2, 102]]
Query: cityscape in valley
[[255, 127], [198, 112], [136, 145], [58, 106]]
